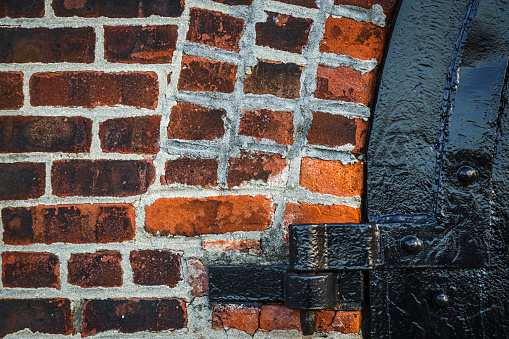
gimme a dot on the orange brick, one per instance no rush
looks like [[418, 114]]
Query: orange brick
[[278, 317], [361, 136], [332, 177], [339, 321], [242, 317]]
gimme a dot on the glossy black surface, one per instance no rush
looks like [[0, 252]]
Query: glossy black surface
[[304, 291]]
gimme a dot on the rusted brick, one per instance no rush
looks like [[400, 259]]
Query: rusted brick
[[204, 75], [30, 270], [332, 130], [11, 90], [99, 269], [193, 122], [266, 124], [156, 267], [22, 180], [22, 8], [271, 77], [138, 135], [270, 169], [283, 32], [197, 172], [118, 8]]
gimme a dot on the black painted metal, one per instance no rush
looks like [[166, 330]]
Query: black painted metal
[[304, 291]]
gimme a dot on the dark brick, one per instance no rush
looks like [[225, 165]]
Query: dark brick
[[77, 224], [140, 44], [30, 269], [215, 29], [283, 32], [345, 84], [133, 315], [270, 77], [51, 316], [11, 90], [99, 269], [197, 172], [155, 267], [118, 8], [120, 178], [47, 45], [45, 134], [304, 3], [193, 122], [22, 8], [204, 75], [22, 180], [389, 6], [256, 166], [332, 130], [235, 2], [267, 124], [91, 89], [130, 135]]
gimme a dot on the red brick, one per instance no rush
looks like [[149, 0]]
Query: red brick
[[118, 8], [283, 32], [22, 180], [241, 317], [197, 172], [361, 136], [11, 90], [215, 29], [360, 40], [156, 267], [138, 135], [296, 214], [198, 277], [243, 246], [78, 224], [266, 124], [332, 177], [20, 134], [270, 169], [271, 77], [133, 315], [389, 6], [190, 217], [120, 178], [193, 122], [47, 45], [52, 316], [304, 3], [91, 89], [99, 269], [278, 317], [332, 130], [345, 84], [22, 8], [204, 75], [30, 269], [235, 2], [140, 44], [339, 321]]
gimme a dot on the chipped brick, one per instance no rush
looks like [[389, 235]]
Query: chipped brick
[[270, 169], [283, 32], [271, 77], [244, 318], [198, 277]]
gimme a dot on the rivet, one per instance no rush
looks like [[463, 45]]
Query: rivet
[[467, 175], [441, 300], [411, 244]]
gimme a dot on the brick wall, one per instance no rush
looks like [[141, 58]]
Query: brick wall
[[141, 141]]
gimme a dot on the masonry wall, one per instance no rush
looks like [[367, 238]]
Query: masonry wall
[[142, 141]]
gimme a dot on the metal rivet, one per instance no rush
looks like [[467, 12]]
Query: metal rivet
[[441, 300], [411, 244], [467, 175]]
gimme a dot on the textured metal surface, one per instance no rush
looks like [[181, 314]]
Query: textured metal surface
[[351, 286], [304, 291]]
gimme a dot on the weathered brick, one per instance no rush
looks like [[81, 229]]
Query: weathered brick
[[360, 40], [241, 317], [278, 317], [332, 130], [22, 180], [47, 45], [271, 77], [389, 6], [133, 315], [361, 136], [267, 124], [235, 2], [283, 32], [304, 3], [99, 269], [197, 172], [243, 246], [296, 214], [204, 75], [339, 321], [215, 29], [20, 134], [30, 269], [270, 169], [11, 90], [156, 267], [52, 316], [332, 177], [120, 178], [130, 135], [91, 89], [345, 84], [198, 277], [79, 224], [140, 44], [22, 8], [190, 217], [118, 8], [193, 122]]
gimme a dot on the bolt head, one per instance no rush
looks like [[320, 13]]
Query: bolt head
[[467, 175], [411, 244], [441, 300]]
